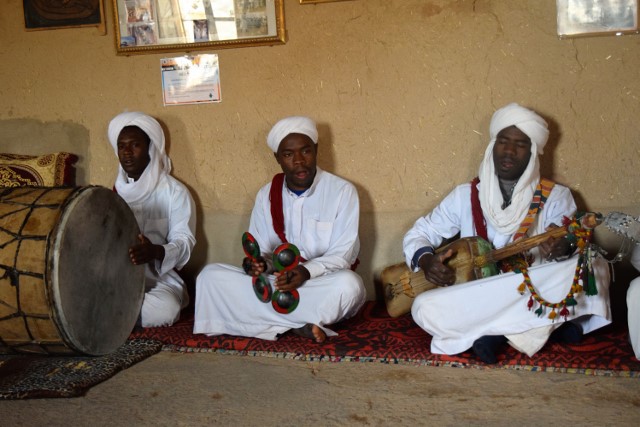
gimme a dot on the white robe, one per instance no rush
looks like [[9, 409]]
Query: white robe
[[633, 304], [166, 217], [323, 224], [458, 315]]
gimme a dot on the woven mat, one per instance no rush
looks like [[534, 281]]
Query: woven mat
[[31, 376], [373, 336]]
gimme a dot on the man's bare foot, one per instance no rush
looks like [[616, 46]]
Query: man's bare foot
[[313, 332]]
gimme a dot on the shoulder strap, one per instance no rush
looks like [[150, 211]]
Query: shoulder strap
[[277, 215], [537, 203], [476, 211]]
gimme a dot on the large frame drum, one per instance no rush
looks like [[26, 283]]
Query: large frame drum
[[66, 282]]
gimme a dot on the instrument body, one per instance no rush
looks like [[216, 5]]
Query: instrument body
[[66, 282], [401, 285]]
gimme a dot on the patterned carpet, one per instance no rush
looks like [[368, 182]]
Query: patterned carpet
[[373, 336], [28, 376]]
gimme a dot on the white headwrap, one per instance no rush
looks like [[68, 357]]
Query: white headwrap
[[295, 124], [508, 220], [159, 164]]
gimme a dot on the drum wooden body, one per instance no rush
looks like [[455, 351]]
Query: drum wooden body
[[66, 282]]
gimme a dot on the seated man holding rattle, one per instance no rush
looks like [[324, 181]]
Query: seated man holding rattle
[[310, 208]]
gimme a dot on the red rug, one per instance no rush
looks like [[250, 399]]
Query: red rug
[[373, 336]]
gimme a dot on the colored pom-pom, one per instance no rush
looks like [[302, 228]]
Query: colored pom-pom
[[521, 288]]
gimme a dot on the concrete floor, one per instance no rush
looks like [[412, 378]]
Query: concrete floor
[[181, 389]]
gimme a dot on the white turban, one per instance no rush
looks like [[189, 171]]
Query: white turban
[[159, 164], [508, 220], [286, 126]]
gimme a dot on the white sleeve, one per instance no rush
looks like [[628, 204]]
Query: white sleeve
[[180, 239], [442, 223], [559, 204], [344, 242]]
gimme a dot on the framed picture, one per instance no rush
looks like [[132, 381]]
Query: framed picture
[[150, 26], [53, 14], [597, 17]]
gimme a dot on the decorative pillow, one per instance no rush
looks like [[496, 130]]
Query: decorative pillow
[[48, 170]]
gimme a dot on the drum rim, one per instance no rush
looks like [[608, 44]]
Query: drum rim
[[53, 265], [58, 315]]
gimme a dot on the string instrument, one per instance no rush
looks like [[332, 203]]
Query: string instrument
[[473, 258]]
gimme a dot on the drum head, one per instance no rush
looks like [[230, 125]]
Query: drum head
[[98, 292]]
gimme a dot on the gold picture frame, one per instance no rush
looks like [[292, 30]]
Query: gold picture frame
[[153, 26]]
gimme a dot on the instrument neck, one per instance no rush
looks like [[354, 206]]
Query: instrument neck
[[520, 246]]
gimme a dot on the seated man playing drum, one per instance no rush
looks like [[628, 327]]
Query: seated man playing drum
[[508, 202], [164, 210], [305, 206]]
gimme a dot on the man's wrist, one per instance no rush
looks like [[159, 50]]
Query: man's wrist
[[304, 272], [425, 259], [159, 252], [425, 250]]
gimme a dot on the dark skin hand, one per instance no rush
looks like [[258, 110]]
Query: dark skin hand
[[435, 270], [286, 280], [145, 252], [258, 266], [554, 247], [289, 280]]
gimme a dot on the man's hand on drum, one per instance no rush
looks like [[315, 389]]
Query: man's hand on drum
[[555, 247], [434, 269], [287, 281], [145, 251]]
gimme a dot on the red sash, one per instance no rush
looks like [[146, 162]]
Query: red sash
[[277, 214]]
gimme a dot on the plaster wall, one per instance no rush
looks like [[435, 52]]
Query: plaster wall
[[402, 90]]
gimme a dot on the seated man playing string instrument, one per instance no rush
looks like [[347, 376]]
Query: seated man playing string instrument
[[164, 210], [310, 208], [508, 202]]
